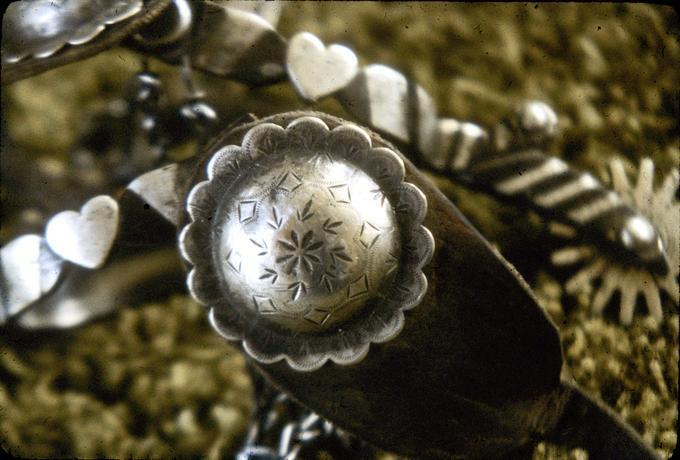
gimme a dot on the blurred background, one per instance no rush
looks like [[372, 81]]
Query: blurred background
[[155, 381]]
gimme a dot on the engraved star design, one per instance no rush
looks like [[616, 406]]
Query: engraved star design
[[298, 289], [305, 246], [327, 280], [317, 316], [369, 234], [264, 305], [275, 221], [234, 261], [246, 210], [306, 212], [323, 155], [338, 254], [270, 274], [234, 168], [299, 253], [341, 193], [262, 244], [331, 226], [289, 182]]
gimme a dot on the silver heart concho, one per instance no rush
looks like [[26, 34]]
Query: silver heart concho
[[317, 71], [85, 238], [29, 269]]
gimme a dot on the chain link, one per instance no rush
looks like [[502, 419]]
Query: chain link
[[283, 430]]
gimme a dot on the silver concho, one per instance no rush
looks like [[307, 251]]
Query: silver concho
[[306, 243], [40, 28]]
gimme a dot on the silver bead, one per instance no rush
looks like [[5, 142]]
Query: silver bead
[[538, 121], [639, 236], [147, 89], [198, 112]]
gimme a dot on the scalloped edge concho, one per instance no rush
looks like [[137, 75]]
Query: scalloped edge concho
[[380, 317], [25, 53]]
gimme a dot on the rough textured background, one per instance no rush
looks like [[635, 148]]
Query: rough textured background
[[154, 381]]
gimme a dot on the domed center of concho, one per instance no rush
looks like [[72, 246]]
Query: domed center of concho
[[307, 242]]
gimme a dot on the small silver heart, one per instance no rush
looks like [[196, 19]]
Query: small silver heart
[[317, 71], [29, 270], [85, 238]]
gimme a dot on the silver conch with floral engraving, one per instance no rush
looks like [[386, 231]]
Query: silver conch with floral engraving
[[306, 243]]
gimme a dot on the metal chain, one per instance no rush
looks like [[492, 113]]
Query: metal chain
[[283, 430]]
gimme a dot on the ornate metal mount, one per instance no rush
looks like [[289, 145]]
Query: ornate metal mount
[[40, 28], [307, 253], [306, 243]]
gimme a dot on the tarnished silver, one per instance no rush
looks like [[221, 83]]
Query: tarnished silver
[[182, 20], [40, 28], [316, 71], [268, 10], [306, 243], [29, 269], [533, 124], [575, 198], [458, 145], [158, 188], [233, 43], [388, 102], [85, 238], [606, 276], [538, 121], [85, 295], [283, 430]]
